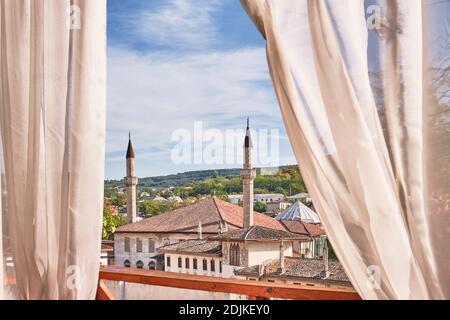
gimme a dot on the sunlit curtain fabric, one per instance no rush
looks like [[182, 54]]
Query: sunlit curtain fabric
[[52, 121], [364, 93]]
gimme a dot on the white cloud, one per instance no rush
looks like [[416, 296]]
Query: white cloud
[[153, 94], [179, 24]]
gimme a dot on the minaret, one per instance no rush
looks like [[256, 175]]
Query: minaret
[[248, 174], [130, 183]]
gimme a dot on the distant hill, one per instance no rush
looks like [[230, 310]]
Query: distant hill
[[181, 179]]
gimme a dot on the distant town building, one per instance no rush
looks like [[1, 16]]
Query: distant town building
[[159, 199], [266, 198], [303, 197]]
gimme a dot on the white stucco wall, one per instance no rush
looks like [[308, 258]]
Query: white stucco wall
[[260, 252]]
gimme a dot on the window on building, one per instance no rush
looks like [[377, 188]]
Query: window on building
[[140, 265], [168, 261], [127, 264], [180, 263], [138, 245], [127, 244], [186, 262], [194, 264], [152, 265], [220, 266], [151, 245], [205, 265], [235, 259], [213, 266]]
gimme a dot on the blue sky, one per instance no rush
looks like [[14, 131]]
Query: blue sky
[[174, 62]]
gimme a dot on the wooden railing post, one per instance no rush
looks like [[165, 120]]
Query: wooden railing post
[[103, 292]]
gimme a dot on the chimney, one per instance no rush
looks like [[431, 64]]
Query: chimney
[[248, 174], [282, 268], [325, 259], [261, 269], [200, 233]]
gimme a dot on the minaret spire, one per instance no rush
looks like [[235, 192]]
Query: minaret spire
[[130, 182], [248, 174]]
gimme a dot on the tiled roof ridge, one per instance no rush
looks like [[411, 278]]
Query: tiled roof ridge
[[249, 231], [218, 210]]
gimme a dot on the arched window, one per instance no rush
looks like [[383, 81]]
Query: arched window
[[235, 259], [205, 265], [140, 265], [152, 265], [194, 264], [127, 264]]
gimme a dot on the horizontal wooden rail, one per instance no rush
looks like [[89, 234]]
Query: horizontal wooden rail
[[227, 285]]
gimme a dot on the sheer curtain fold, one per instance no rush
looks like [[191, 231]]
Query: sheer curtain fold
[[359, 135], [53, 104]]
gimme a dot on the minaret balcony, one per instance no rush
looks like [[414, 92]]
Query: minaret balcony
[[248, 173], [130, 181]]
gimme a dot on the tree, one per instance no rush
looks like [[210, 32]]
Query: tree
[[110, 222], [119, 199], [152, 208], [260, 207]]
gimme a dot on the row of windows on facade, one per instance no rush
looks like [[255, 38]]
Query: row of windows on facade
[[187, 261], [139, 246]]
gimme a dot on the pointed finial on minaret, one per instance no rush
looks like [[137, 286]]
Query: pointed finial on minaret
[[130, 151], [248, 139]]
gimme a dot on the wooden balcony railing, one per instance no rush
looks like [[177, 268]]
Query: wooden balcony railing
[[252, 289]]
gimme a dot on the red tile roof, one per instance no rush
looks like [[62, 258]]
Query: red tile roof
[[210, 212], [300, 227]]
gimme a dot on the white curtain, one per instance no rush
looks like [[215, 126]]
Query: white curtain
[[52, 121], [367, 114]]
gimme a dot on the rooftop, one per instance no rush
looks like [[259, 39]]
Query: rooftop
[[298, 211], [258, 233], [203, 247], [213, 214], [299, 268], [304, 228]]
